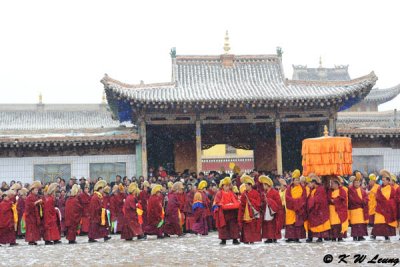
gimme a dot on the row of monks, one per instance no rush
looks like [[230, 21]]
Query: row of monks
[[310, 207]]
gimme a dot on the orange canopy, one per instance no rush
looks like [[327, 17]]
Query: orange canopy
[[327, 156]]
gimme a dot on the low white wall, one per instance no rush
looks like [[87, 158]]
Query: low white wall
[[21, 169], [391, 157]]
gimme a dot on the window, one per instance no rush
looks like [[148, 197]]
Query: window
[[367, 164], [107, 171], [50, 172]]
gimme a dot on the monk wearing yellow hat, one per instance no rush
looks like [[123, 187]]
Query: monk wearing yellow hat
[[272, 211], [393, 181], [84, 200], [155, 213], [250, 212], [50, 217], [8, 218], [372, 190], [200, 209], [98, 224], [144, 198], [225, 209], [385, 222], [358, 209], [131, 224], [173, 218], [73, 211], [32, 214], [295, 198], [338, 210], [116, 207]]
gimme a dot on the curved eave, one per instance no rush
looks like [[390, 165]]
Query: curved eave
[[380, 96], [369, 132]]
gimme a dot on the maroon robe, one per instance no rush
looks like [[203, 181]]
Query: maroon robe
[[106, 201], [116, 206], [250, 231], [144, 198], [299, 205], [187, 209], [131, 226], [318, 210], [32, 219], [226, 220], [7, 230], [61, 206], [272, 229], [355, 202], [50, 220], [84, 200], [388, 208], [73, 214], [341, 208], [96, 230], [154, 216], [200, 225], [20, 210], [172, 224]]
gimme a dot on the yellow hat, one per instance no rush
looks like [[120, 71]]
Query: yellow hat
[[176, 186], [74, 190], [372, 177], [146, 184], [114, 189], [225, 181], [202, 185], [235, 189], [121, 187], [394, 178], [46, 187], [100, 184], [358, 176], [107, 189], [16, 187], [308, 179], [315, 178], [170, 184], [132, 188], [242, 188], [296, 174], [156, 188], [247, 179], [385, 174], [23, 192], [35, 184], [52, 188], [265, 180]]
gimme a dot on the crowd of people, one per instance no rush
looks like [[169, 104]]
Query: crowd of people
[[243, 208]]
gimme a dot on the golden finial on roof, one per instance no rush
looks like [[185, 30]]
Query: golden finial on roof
[[227, 46], [40, 98], [326, 131], [103, 98], [320, 61]]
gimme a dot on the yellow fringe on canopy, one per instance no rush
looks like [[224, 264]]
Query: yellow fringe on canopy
[[327, 156]]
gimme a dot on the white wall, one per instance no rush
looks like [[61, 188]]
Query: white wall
[[391, 157], [21, 169]]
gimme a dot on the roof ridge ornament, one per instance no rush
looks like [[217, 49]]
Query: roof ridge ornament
[[40, 99], [320, 62], [227, 46]]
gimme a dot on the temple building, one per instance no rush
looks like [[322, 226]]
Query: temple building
[[244, 101], [375, 134], [46, 141]]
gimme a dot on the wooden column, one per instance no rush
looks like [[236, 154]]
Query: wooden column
[[278, 146], [138, 159], [144, 148], [198, 146]]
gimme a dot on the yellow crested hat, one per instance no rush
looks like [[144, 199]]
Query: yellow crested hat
[[23, 192], [52, 188], [170, 184], [358, 176], [385, 174], [74, 190], [372, 177], [202, 185], [247, 179], [296, 174], [146, 184], [132, 188], [225, 181], [308, 179], [100, 184], [242, 188], [35, 184], [177, 185], [16, 187], [107, 189], [393, 177], [265, 180], [235, 189], [156, 188]]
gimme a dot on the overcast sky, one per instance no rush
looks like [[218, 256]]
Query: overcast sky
[[63, 48]]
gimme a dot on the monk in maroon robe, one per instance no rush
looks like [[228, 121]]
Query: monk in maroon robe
[[144, 198], [358, 210], [249, 213], [173, 219], [61, 206], [189, 216], [73, 214], [7, 223], [21, 210], [84, 200], [32, 214], [272, 211], [155, 213], [98, 222], [201, 210], [50, 217], [131, 227], [226, 206], [116, 206]]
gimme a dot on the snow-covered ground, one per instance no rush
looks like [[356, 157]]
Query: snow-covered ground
[[192, 250]]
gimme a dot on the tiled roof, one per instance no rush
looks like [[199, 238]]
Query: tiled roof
[[54, 117], [251, 78], [368, 123], [383, 95], [338, 73]]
